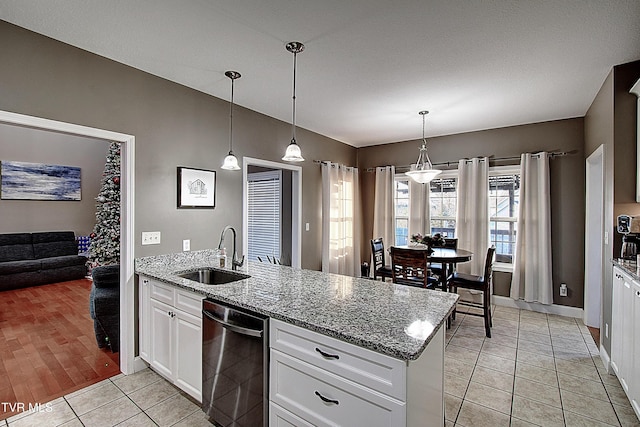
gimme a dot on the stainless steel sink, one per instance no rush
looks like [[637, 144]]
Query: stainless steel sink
[[213, 276]]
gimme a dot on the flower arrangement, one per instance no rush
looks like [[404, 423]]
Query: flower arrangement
[[430, 241]]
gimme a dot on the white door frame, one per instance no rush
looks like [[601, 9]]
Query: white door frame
[[296, 206], [128, 362], [594, 238]]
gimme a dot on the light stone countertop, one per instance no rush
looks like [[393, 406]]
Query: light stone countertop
[[395, 320], [629, 267]]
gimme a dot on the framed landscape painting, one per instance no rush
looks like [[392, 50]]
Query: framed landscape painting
[[196, 188], [38, 181]]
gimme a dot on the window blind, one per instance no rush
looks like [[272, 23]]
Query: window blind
[[264, 210]]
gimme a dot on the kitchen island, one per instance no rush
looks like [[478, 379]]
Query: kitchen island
[[399, 324]]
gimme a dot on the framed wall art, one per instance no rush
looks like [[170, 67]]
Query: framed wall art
[[196, 188], [38, 181]]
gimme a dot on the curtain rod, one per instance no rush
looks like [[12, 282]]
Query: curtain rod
[[491, 159], [325, 162]]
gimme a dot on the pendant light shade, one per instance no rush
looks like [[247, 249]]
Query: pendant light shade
[[422, 171], [293, 153], [231, 162]]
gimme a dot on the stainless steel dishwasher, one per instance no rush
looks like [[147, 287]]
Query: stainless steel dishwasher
[[235, 365]]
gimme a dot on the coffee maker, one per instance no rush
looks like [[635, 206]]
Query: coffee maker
[[629, 227]]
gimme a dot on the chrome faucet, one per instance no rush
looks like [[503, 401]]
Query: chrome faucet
[[234, 258]]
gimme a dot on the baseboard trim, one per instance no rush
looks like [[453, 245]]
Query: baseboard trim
[[560, 310], [139, 364], [606, 360]]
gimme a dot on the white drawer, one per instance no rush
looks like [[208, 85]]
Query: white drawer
[[189, 302], [325, 399], [279, 417], [368, 368], [163, 293]]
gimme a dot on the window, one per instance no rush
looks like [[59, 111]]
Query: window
[[263, 205], [504, 198], [444, 199], [401, 199]]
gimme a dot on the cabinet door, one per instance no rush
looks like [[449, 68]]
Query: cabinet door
[[188, 368], [626, 364], [144, 321], [161, 339], [617, 320], [634, 395]]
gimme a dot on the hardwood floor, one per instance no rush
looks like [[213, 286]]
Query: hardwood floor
[[595, 333], [47, 344]]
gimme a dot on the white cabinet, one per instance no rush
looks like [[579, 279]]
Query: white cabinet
[[144, 321], [161, 338], [322, 381], [171, 334], [625, 334], [634, 396]]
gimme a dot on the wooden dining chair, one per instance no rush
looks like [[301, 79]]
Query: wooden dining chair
[[476, 283], [380, 268], [436, 267], [409, 267]]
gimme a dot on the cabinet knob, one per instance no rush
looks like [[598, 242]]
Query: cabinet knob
[[638, 293], [145, 281], [326, 399]]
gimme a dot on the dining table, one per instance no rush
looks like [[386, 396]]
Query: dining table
[[448, 257]]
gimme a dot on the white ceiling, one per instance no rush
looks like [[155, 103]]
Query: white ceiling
[[369, 65]]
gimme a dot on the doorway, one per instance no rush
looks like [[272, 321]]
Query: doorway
[[128, 362], [290, 224], [594, 238]]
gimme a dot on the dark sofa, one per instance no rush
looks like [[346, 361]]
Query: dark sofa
[[30, 259], [104, 305]]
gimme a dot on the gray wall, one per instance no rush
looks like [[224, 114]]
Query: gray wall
[[37, 146], [173, 125], [611, 120], [567, 192]]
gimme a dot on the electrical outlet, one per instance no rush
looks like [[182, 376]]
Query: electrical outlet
[[150, 237], [563, 289], [186, 245]]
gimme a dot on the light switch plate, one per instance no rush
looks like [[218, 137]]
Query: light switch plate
[[150, 237], [186, 245]]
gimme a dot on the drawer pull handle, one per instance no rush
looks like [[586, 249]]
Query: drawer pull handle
[[327, 400], [327, 355]]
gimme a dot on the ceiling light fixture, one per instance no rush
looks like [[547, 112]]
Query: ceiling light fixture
[[423, 171], [293, 153], [231, 162]]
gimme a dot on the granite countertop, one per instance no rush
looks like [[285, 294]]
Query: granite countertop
[[629, 267], [395, 320]]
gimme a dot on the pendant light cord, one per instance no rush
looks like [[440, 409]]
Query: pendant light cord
[[293, 121], [231, 119]]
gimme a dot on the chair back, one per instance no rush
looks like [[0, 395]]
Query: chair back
[[450, 243], [377, 252], [409, 267], [488, 265]]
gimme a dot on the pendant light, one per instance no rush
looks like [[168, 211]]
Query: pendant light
[[423, 171], [293, 153], [231, 162]]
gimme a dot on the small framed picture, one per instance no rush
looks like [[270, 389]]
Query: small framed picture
[[196, 188]]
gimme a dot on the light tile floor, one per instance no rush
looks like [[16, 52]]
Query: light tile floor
[[536, 370]]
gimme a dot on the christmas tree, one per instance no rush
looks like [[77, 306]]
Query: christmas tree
[[105, 239]]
